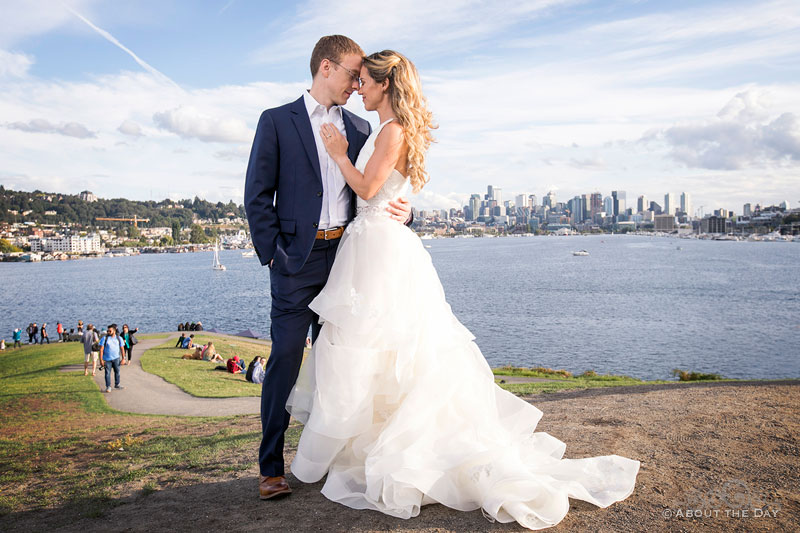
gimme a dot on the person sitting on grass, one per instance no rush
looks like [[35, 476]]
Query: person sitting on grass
[[255, 371], [236, 365], [188, 342], [179, 344], [205, 353]]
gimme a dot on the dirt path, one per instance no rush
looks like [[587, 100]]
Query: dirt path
[[729, 452]]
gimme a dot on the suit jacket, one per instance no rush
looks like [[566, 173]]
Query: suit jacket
[[283, 187]]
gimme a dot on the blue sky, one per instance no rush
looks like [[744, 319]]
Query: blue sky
[[152, 99]]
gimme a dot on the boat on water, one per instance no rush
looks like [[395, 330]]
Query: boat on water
[[580, 252], [217, 265], [249, 253]]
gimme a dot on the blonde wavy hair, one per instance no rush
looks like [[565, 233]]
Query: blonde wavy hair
[[410, 106]]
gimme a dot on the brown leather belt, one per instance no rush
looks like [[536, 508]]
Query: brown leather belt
[[330, 234]]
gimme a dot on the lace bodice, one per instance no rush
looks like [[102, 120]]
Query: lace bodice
[[396, 184]]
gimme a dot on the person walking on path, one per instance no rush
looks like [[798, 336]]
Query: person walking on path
[[60, 331], [45, 337], [130, 342], [112, 350], [34, 334], [17, 336], [91, 347]]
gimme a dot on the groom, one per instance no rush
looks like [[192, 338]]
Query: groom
[[298, 205]]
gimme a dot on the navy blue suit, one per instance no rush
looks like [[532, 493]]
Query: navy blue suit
[[283, 200]]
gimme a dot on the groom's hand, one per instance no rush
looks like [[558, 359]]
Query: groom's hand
[[400, 209]]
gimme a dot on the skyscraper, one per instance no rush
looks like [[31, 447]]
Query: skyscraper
[[521, 200], [608, 206], [686, 204], [498, 195], [747, 210], [641, 204], [619, 202], [669, 204], [475, 205], [549, 199], [595, 204]]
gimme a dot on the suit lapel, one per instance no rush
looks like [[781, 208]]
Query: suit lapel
[[303, 125], [352, 137]]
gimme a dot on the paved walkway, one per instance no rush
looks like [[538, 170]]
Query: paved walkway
[[147, 393]]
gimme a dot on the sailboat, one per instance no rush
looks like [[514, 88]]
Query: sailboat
[[217, 265]]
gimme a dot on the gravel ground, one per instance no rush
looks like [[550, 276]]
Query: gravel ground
[[728, 452]]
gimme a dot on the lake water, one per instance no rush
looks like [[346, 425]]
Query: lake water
[[636, 305]]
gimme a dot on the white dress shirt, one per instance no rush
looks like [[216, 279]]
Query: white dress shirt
[[335, 194]]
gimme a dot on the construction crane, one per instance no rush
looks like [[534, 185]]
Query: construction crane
[[135, 220]]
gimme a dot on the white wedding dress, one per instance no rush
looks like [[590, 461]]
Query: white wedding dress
[[401, 408]]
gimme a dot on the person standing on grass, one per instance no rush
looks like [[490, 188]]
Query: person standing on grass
[[60, 331], [91, 344], [112, 350], [34, 334], [45, 337], [17, 336]]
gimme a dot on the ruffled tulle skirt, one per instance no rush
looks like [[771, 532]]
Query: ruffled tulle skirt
[[401, 409]]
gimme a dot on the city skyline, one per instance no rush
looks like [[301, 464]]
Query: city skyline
[[152, 100]]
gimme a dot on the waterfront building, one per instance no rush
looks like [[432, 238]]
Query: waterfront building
[[747, 210], [713, 224], [68, 243], [665, 223]]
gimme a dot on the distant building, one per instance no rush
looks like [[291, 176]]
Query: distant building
[[619, 202], [68, 243], [665, 223], [669, 204], [686, 204], [88, 196], [641, 204], [747, 210], [713, 224]]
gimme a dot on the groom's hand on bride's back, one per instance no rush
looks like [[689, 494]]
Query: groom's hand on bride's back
[[400, 210]]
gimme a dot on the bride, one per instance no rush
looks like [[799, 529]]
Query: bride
[[399, 405]]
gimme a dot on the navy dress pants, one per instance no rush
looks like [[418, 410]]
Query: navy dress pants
[[291, 318]]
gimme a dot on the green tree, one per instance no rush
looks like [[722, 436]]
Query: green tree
[[133, 232], [166, 240], [176, 231], [197, 236], [7, 247]]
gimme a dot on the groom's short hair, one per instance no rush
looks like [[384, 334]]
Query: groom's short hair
[[333, 47]]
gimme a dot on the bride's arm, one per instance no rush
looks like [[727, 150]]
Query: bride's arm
[[388, 150]]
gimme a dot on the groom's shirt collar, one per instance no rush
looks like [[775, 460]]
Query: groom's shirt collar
[[312, 106], [336, 195]]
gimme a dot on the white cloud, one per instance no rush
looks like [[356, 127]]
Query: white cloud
[[423, 26], [188, 122], [28, 18], [14, 65], [129, 127], [741, 136], [40, 125]]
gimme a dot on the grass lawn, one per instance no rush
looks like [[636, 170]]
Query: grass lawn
[[561, 380], [61, 444], [199, 378]]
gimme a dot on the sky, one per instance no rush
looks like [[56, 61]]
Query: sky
[[155, 99]]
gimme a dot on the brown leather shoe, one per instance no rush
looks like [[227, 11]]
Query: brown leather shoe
[[270, 487]]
